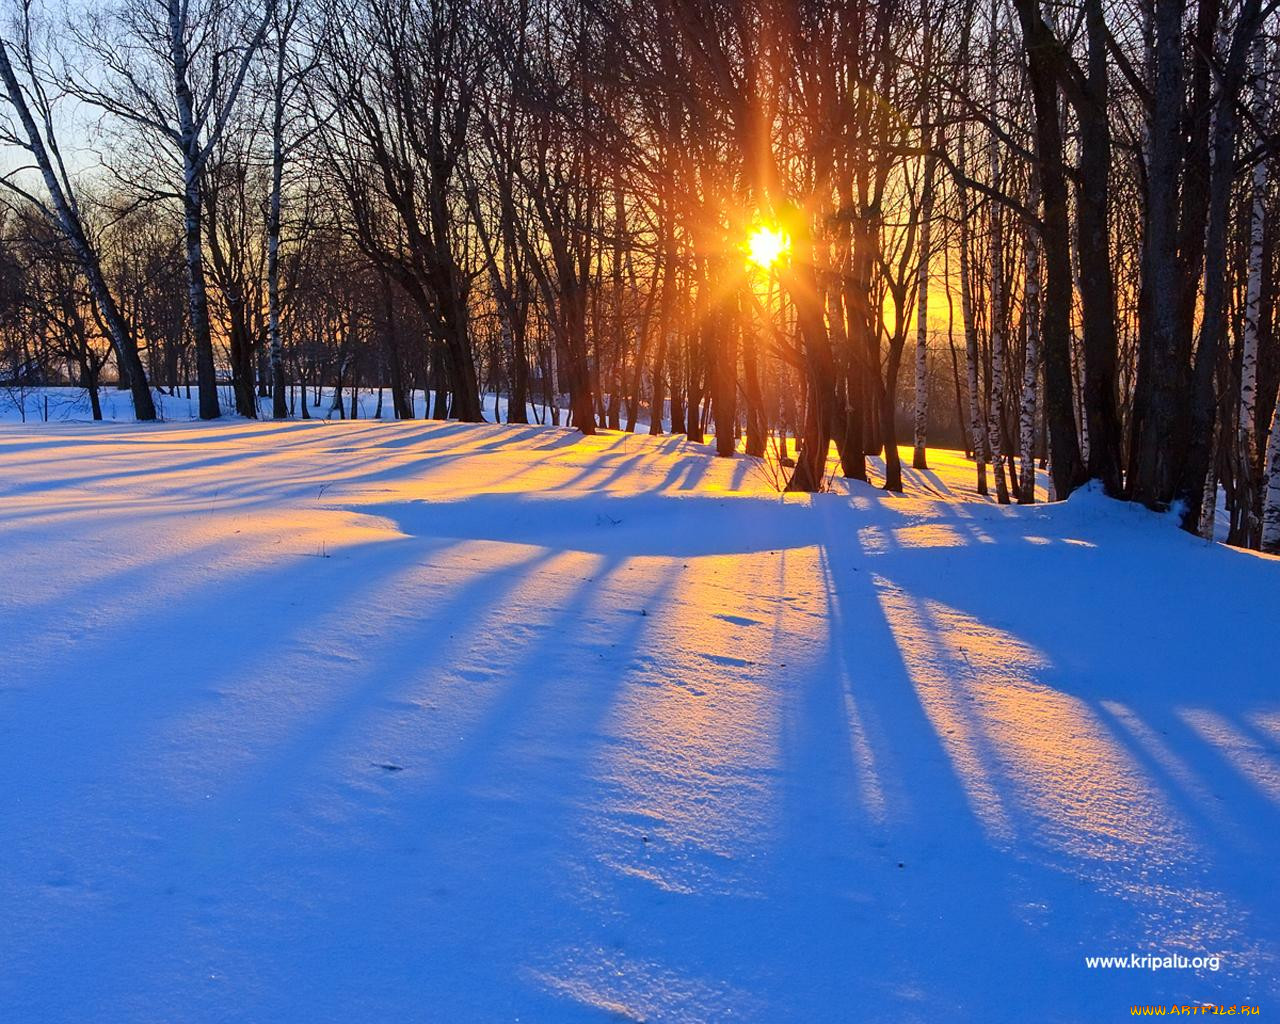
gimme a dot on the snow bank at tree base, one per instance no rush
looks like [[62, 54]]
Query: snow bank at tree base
[[427, 722]]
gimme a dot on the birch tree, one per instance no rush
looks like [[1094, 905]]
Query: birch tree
[[919, 458], [995, 407], [1026, 483], [1247, 433], [1271, 489], [173, 70], [977, 426], [286, 75]]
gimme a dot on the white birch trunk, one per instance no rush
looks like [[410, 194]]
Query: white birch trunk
[[555, 385], [996, 398], [193, 119], [1081, 418], [279, 408], [1209, 497], [1031, 363], [1247, 433], [1077, 355], [977, 427], [1252, 311], [1271, 488], [189, 146], [919, 458]]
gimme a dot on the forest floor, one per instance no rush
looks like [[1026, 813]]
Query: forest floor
[[420, 721]]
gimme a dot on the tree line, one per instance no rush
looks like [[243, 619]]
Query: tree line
[[1060, 215]]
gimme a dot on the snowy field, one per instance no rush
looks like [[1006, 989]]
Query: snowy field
[[393, 722], [70, 405]]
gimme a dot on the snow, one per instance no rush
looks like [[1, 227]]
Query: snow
[[429, 722], [69, 404]]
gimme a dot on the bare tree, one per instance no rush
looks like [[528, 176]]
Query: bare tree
[[30, 98], [173, 70]]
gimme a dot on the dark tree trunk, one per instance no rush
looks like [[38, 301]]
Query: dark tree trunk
[[1213, 324], [242, 367], [1097, 286], [757, 425], [439, 396], [1173, 241], [723, 347], [888, 419], [198, 304], [677, 398], [811, 461], [518, 397], [91, 385]]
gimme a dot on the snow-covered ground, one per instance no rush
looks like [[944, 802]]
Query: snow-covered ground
[[70, 405], [312, 722]]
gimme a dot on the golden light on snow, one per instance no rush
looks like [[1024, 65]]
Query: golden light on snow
[[1002, 729], [767, 246]]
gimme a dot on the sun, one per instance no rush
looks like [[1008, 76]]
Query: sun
[[767, 246]]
